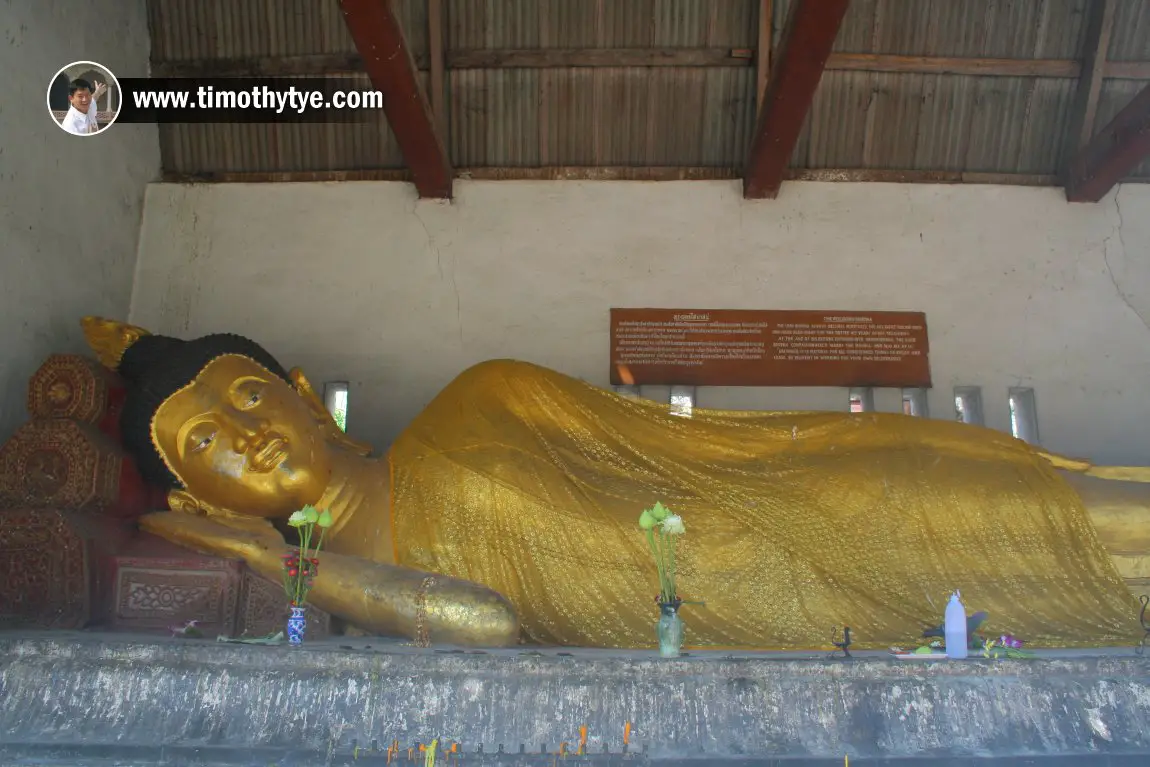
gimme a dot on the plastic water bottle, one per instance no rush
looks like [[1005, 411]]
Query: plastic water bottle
[[955, 628]]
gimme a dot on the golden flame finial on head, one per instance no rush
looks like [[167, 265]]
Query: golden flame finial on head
[[109, 339]]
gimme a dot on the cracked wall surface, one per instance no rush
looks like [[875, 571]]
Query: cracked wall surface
[[361, 282], [1127, 251], [70, 206]]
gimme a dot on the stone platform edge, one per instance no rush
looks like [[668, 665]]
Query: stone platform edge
[[93, 694]]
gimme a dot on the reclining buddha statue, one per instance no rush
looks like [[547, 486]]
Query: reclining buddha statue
[[507, 510]]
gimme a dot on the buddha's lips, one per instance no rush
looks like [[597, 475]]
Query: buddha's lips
[[269, 455]]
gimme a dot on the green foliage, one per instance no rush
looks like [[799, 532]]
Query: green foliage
[[663, 529], [301, 565]]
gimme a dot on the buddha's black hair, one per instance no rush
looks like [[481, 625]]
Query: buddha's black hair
[[156, 367]]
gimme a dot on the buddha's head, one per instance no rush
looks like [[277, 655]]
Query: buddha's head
[[218, 421]]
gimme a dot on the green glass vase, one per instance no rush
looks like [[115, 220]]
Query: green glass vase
[[669, 630]]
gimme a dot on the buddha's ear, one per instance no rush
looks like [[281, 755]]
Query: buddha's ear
[[331, 430]]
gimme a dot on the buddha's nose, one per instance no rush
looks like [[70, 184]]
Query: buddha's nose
[[249, 431]]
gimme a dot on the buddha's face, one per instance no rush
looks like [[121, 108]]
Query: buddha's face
[[240, 438]]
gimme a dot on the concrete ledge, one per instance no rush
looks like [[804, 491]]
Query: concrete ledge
[[147, 701], [115, 756]]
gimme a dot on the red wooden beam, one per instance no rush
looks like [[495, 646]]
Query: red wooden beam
[[388, 62], [1113, 153], [795, 73]]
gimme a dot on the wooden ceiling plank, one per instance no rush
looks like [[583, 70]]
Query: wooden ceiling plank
[[806, 45], [387, 60], [352, 63], [1113, 153]]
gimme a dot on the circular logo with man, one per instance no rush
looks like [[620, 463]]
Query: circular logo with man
[[84, 98]]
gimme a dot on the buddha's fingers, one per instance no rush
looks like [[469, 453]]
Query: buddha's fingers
[[421, 606], [465, 613]]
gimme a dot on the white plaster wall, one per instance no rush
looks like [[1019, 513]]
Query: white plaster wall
[[361, 282], [70, 207]]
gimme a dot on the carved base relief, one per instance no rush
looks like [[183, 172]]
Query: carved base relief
[[156, 593], [44, 571], [64, 464], [74, 387]]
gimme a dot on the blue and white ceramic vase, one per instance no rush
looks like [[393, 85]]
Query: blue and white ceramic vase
[[296, 625]]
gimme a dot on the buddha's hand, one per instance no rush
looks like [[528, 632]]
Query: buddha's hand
[[251, 542]]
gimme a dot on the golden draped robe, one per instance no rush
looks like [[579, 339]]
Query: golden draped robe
[[531, 483]]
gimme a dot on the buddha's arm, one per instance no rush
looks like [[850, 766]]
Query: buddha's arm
[[1078, 466], [384, 599]]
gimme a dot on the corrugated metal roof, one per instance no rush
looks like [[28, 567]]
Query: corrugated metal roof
[[694, 117], [247, 148], [601, 116], [184, 30], [1131, 37], [532, 24], [937, 122], [1024, 29]]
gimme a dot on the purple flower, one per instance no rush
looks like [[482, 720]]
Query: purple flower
[[1006, 640]]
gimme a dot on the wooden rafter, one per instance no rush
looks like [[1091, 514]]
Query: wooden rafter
[[804, 50], [387, 60], [658, 173], [1099, 26], [1113, 153], [763, 57], [343, 63]]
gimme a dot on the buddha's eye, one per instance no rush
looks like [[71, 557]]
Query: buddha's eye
[[200, 441], [246, 393], [248, 398]]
